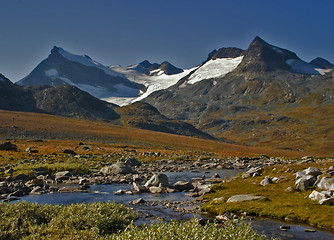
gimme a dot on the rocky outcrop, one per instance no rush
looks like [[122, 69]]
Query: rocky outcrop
[[246, 198]]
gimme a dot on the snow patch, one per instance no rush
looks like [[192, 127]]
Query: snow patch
[[277, 50], [1, 79], [157, 72], [214, 69], [153, 83], [302, 67], [51, 73]]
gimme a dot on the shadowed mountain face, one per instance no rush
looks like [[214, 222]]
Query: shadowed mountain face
[[63, 68], [69, 101], [253, 103]]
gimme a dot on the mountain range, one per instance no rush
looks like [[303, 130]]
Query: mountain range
[[264, 95]]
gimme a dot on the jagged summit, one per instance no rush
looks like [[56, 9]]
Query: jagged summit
[[157, 69], [230, 52], [321, 62]]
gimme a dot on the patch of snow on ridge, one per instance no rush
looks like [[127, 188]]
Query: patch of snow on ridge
[[277, 50], [1, 79], [214, 69], [302, 67], [51, 73]]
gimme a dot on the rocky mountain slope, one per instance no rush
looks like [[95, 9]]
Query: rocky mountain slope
[[70, 101], [253, 96]]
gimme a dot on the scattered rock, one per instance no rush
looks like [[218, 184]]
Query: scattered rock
[[37, 190], [216, 175], [156, 190], [139, 188], [246, 197], [69, 151], [21, 177], [117, 168], [130, 161], [62, 176], [313, 171], [305, 182]]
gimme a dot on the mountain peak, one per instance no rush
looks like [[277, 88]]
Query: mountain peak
[[321, 62], [229, 52]]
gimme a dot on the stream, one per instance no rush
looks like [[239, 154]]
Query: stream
[[155, 206]]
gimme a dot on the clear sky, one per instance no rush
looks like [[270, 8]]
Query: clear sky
[[183, 32]]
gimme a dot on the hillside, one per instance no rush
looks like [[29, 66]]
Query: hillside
[[269, 97], [68, 132]]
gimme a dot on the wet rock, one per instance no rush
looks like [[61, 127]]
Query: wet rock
[[120, 192], [140, 188], [216, 175], [62, 176], [253, 172], [246, 198], [83, 181], [137, 201], [71, 189], [326, 184], [156, 180], [156, 190], [8, 146], [37, 190], [34, 182], [183, 186]]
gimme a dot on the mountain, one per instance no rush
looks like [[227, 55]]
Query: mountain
[[70, 101], [155, 69], [257, 96], [63, 68], [323, 63]]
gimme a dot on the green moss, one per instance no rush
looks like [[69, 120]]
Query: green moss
[[281, 204]]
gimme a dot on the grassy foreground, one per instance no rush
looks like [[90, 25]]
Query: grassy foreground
[[282, 204], [25, 220]]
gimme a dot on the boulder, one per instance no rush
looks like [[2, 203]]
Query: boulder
[[117, 168], [69, 151], [326, 184], [139, 188], [137, 201], [266, 181], [246, 198], [63, 175], [183, 186], [130, 161], [8, 146], [21, 177], [253, 172], [34, 182], [156, 180], [305, 182], [4, 188], [327, 201], [318, 196], [155, 190], [37, 190], [313, 171]]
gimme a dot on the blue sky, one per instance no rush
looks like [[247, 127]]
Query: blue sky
[[183, 32]]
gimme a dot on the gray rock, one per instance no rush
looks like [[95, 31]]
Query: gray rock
[[71, 189], [137, 201], [266, 181], [305, 182], [35, 182], [156, 190], [37, 190], [327, 201], [69, 151], [139, 188], [61, 176], [246, 198], [157, 179], [317, 196], [117, 168], [326, 184], [130, 161], [253, 172], [313, 171], [183, 186]]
